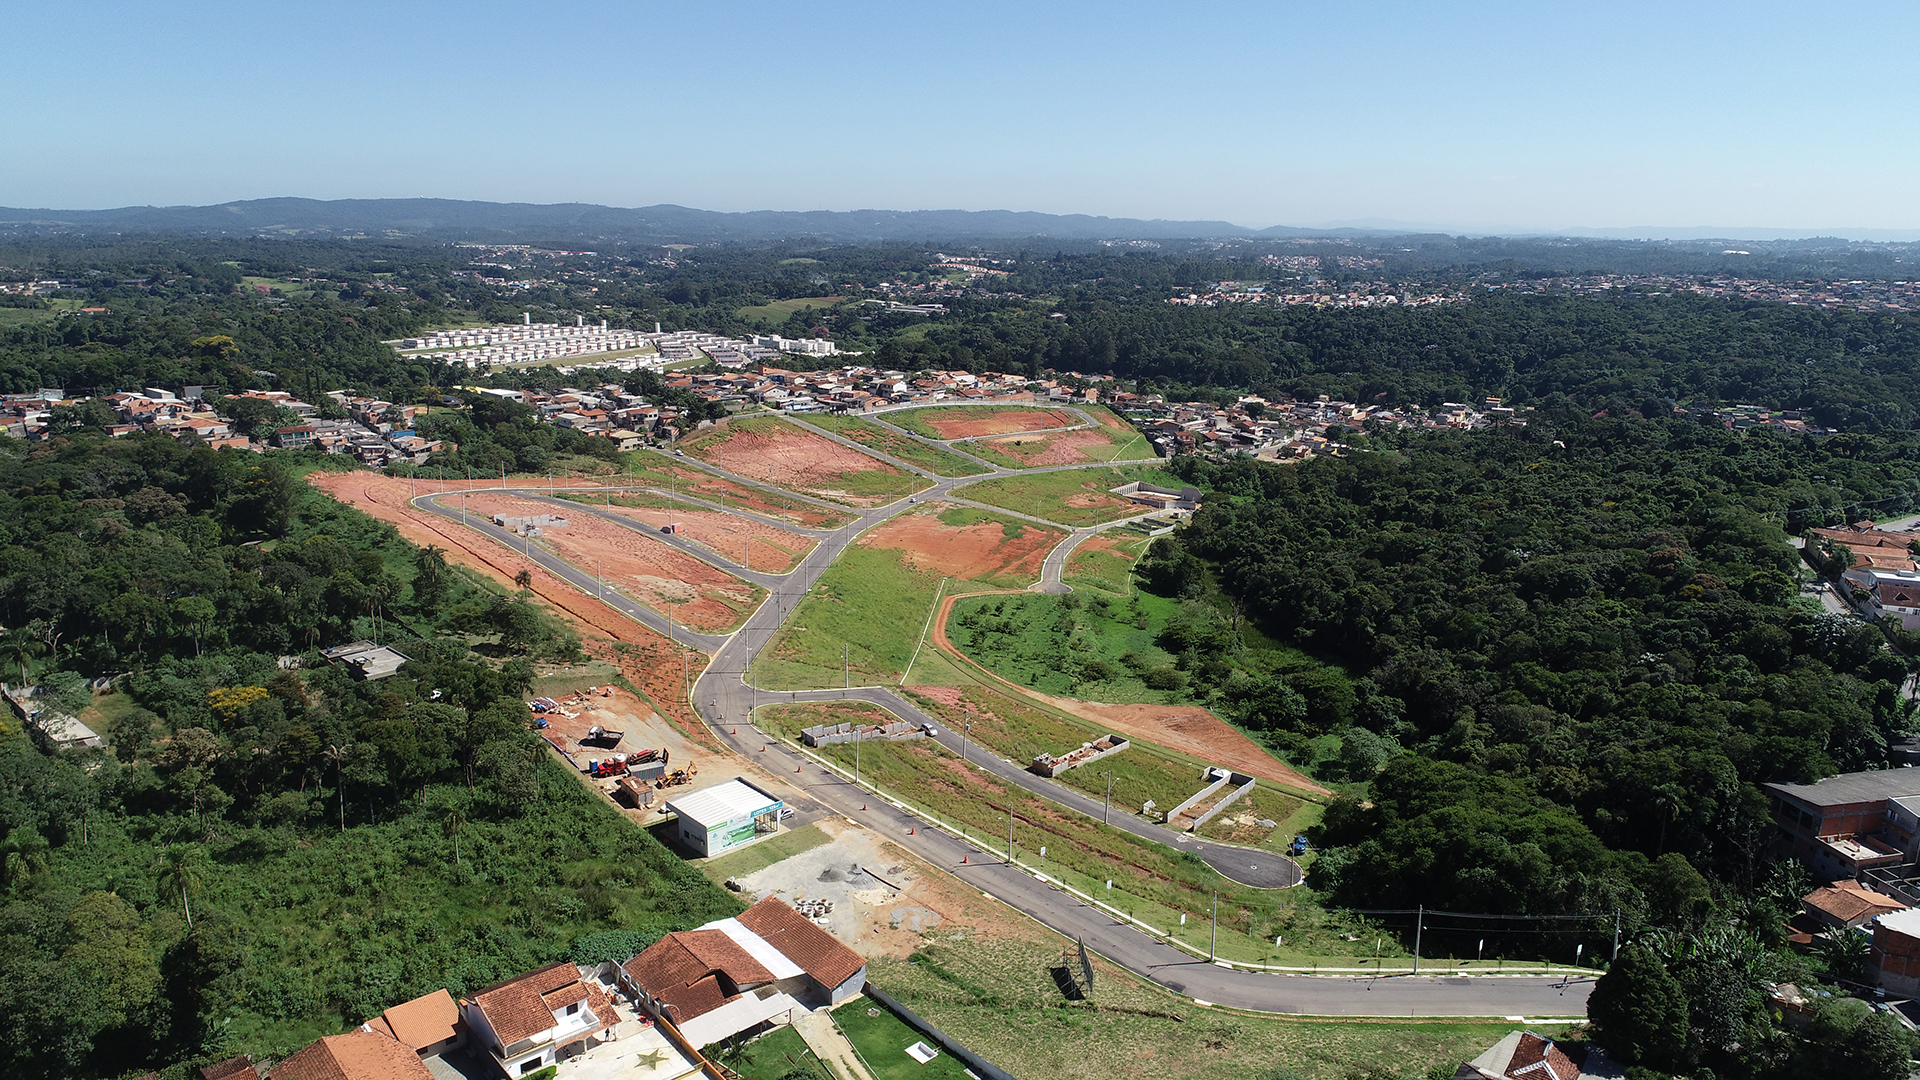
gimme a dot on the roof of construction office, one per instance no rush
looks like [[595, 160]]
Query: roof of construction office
[[722, 803]]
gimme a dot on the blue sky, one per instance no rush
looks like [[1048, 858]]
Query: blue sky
[[1485, 116]]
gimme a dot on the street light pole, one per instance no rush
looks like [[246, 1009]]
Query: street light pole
[[1009, 832], [1106, 814], [966, 729]]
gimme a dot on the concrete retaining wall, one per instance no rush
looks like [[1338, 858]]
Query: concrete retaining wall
[[1105, 746], [828, 734], [1205, 793], [1242, 784]]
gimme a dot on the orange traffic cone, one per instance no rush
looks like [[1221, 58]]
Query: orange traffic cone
[[963, 859], [733, 731], [863, 806], [913, 832], [796, 768]]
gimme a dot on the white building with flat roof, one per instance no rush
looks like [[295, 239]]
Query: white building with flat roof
[[725, 816]]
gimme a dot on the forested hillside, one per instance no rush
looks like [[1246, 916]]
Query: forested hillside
[[264, 855], [1602, 617]]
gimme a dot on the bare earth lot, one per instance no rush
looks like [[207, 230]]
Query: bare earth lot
[[793, 457], [978, 551], [651, 572]]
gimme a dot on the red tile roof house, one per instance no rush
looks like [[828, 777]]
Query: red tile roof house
[[1522, 1055], [431, 1025], [743, 973], [357, 1055], [1847, 904], [538, 1019]]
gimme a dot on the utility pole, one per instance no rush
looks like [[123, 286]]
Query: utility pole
[[1106, 815], [1213, 939], [1009, 832], [846, 663], [1418, 927], [965, 730], [857, 740]]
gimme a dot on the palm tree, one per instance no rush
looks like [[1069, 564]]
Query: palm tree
[[179, 869], [338, 755], [452, 827], [523, 580], [21, 645]]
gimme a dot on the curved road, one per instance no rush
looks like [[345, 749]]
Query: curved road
[[724, 698]]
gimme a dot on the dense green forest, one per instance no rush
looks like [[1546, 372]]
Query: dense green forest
[[265, 854], [1582, 648]]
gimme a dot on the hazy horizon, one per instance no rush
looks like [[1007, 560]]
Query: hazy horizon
[[1493, 118]]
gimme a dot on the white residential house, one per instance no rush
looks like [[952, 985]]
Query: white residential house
[[538, 1019]]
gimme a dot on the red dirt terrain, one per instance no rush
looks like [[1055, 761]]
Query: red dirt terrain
[[774, 551], [792, 457], [643, 656], [1186, 729], [701, 484], [978, 552], [1063, 448], [650, 571], [975, 421]]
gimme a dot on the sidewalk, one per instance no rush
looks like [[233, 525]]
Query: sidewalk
[[817, 1030]]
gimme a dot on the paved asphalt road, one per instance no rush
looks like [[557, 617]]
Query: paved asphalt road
[[725, 700]]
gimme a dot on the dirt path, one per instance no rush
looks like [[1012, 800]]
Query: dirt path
[[832, 1048], [1186, 729]]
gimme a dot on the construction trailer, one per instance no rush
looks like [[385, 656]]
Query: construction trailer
[[725, 816]]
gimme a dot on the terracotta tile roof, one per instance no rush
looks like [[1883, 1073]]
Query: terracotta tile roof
[[357, 1055], [515, 1008], [817, 952], [696, 971], [565, 996], [241, 1066], [1538, 1059], [421, 1022], [1847, 902]]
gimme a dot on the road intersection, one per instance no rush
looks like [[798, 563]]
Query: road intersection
[[725, 699]]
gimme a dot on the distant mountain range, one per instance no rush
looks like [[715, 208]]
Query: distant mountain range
[[456, 219]]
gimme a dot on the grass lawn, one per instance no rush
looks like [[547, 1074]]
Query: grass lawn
[[1000, 999], [763, 853], [11, 317], [1095, 648], [779, 311], [790, 719], [1053, 495], [871, 604], [882, 1039], [1104, 570], [875, 437], [778, 1054]]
